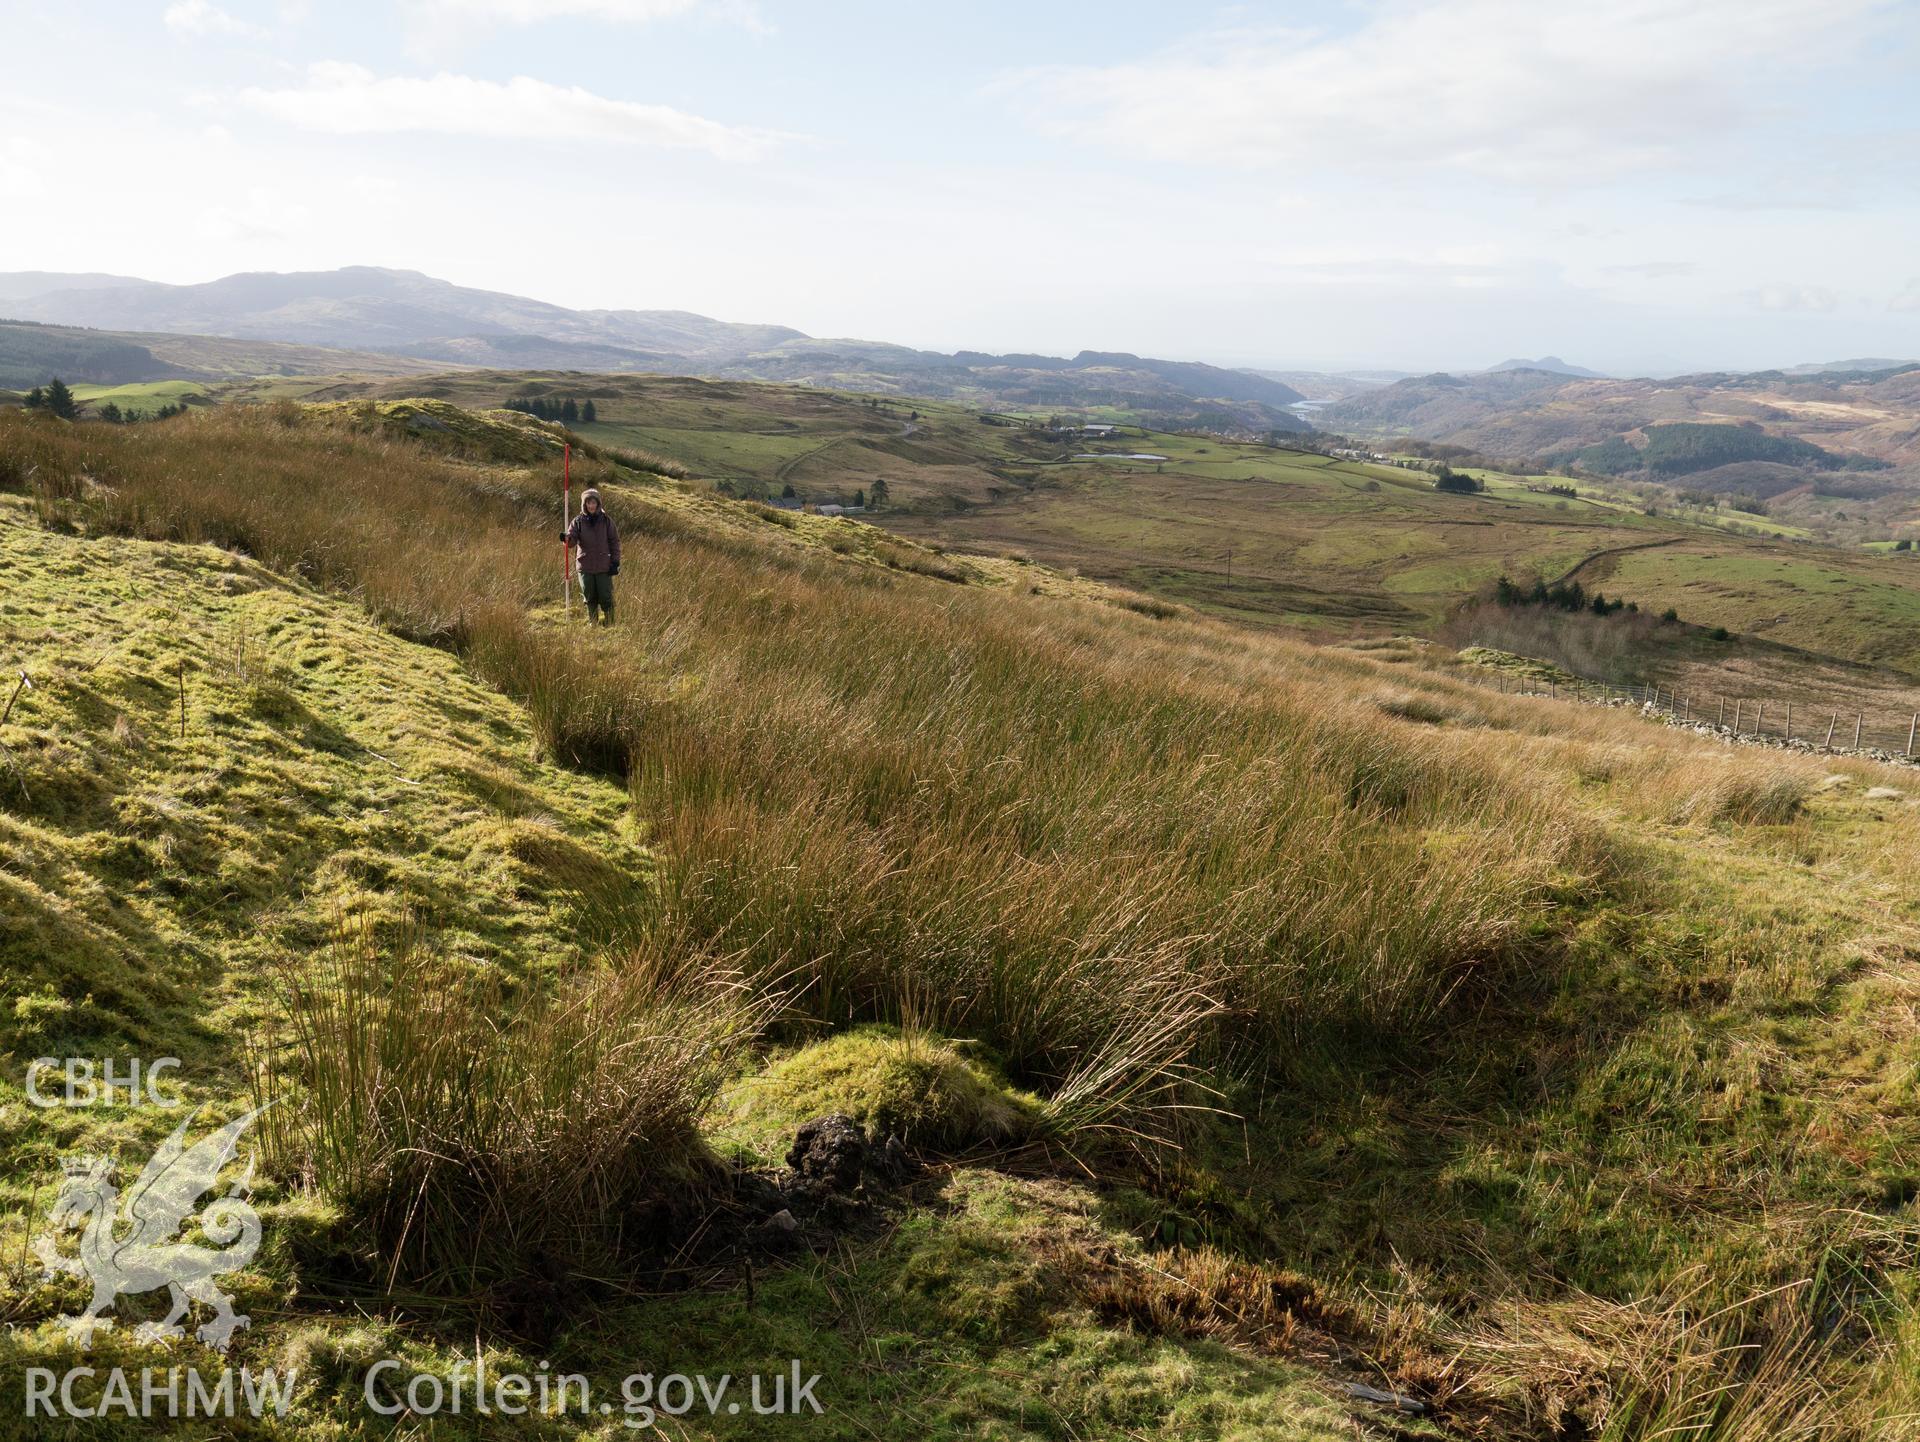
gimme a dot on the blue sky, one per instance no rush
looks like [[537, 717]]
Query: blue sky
[[1409, 183]]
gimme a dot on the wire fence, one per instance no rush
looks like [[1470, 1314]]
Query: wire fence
[[1761, 718]]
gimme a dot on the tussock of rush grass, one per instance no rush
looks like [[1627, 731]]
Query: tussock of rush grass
[[472, 1134]]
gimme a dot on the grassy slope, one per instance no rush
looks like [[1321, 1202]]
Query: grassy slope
[[325, 766], [143, 396], [332, 774], [30, 354], [1694, 1066], [1319, 546], [824, 443]]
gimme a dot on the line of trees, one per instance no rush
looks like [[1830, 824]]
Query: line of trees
[[114, 415], [567, 412], [1572, 596], [755, 490], [1563, 596]]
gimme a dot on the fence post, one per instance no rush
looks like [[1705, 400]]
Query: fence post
[[1686, 709], [1856, 730], [1760, 718], [1910, 730], [1789, 731], [1828, 743], [1723, 712], [1737, 704]]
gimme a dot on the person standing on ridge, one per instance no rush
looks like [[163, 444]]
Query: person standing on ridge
[[596, 548]]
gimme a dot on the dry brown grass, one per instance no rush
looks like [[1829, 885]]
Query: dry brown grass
[[1065, 823], [475, 1134]]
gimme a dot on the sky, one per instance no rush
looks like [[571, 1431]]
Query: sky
[[1643, 186]]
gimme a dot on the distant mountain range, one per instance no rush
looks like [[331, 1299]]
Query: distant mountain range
[[404, 313], [31, 354], [1811, 419], [19, 284], [1552, 364], [1318, 388], [1846, 367]]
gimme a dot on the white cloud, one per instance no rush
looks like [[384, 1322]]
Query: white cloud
[[529, 12], [1652, 269], [261, 214], [199, 17], [436, 24], [1514, 90], [341, 99], [1463, 271], [1795, 298], [1908, 299], [20, 178]]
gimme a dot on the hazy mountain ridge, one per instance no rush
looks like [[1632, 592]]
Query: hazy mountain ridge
[[1320, 388], [15, 285], [1854, 418], [407, 314], [1441, 405], [367, 308], [1552, 364], [1842, 367], [31, 353]]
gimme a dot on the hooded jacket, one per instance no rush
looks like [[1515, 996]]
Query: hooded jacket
[[594, 539]]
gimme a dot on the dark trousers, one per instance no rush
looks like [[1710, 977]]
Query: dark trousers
[[597, 590]]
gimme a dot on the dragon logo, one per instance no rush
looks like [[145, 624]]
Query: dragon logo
[[130, 1246]]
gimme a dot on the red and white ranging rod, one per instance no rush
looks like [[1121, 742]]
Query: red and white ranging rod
[[566, 520]]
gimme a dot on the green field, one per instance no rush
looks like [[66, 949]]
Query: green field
[[1828, 601], [144, 396], [1304, 540]]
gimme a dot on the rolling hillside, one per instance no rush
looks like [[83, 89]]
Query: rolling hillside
[[1323, 546], [1529, 414], [32, 354], [1315, 545], [1323, 1021]]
